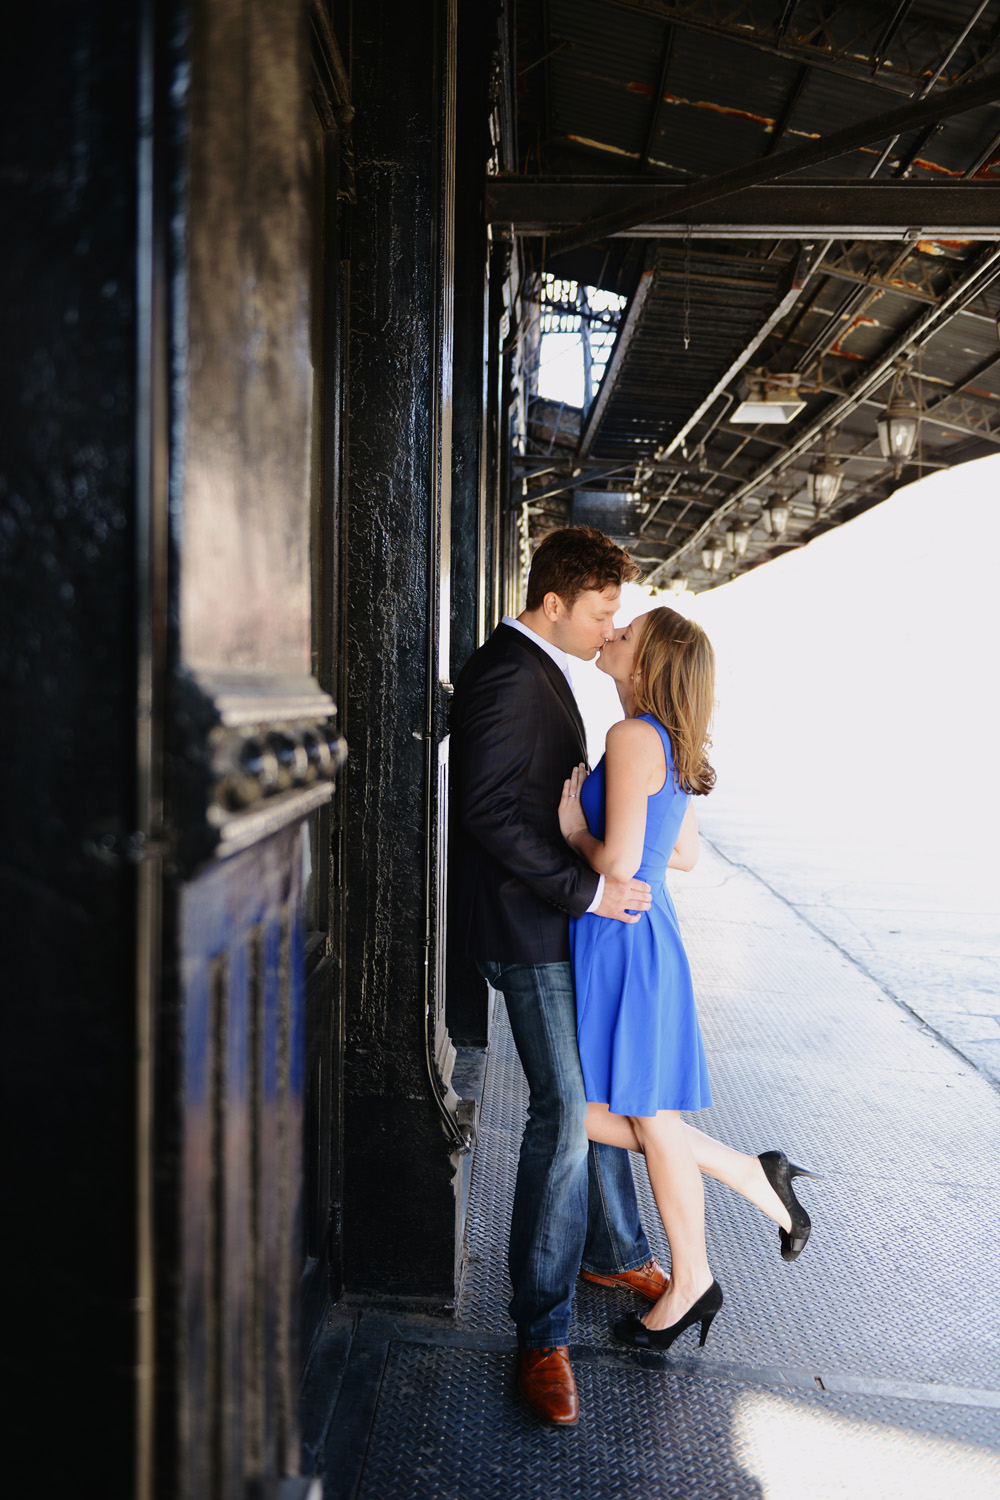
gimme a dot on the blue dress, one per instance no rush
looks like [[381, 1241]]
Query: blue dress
[[637, 1026]]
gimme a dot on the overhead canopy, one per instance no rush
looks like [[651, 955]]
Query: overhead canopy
[[797, 200]]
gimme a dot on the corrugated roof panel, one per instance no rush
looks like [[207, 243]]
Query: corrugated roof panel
[[728, 298], [601, 32]]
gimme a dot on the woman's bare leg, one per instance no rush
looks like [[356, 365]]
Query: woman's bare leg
[[739, 1171], [676, 1182], [613, 1130], [743, 1173]]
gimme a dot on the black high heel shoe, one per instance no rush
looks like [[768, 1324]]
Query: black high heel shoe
[[632, 1330], [779, 1172]]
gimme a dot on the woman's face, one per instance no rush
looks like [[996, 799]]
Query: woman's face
[[617, 655]]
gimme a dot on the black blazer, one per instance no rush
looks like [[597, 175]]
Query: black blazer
[[516, 734]]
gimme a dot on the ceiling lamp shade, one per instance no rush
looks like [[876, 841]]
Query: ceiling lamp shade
[[775, 515], [678, 584], [897, 431], [712, 554], [738, 538], [823, 481], [899, 423], [771, 398]]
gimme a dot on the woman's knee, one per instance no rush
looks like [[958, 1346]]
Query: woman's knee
[[657, 1130]]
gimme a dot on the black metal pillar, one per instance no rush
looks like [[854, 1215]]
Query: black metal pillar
[[400, 1204], [471, 601]]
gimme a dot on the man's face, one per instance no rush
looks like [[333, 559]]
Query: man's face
[[583, 629]]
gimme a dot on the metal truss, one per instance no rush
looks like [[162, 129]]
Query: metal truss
[[852, 39], [921, 278], [970, 413], [961, 404]]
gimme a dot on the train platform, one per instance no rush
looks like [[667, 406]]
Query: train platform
[[869, 1369]]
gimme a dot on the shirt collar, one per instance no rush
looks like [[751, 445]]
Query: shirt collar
[[560, 658]]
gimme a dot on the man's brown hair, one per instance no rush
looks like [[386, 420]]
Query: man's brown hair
[[573, 560]]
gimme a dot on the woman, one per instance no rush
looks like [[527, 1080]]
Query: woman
[[637, 1027]]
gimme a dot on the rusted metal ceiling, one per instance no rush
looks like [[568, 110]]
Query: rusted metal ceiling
[[624, 103]]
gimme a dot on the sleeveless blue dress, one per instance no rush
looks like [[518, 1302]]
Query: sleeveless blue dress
[[637, 1026]]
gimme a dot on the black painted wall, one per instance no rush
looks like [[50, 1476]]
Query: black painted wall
[[67, 203]]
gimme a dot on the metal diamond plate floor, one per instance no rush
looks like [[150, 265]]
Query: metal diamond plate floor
[[869, 1369]]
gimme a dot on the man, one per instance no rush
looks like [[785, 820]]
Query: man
[[516, 736]]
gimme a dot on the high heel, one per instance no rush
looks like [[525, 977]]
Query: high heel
[[779, 1172], [632, 1330]]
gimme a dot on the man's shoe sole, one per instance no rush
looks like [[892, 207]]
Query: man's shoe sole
[[616, 1283]]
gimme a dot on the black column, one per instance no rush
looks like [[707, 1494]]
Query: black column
[[399, 1194], [471, 614]]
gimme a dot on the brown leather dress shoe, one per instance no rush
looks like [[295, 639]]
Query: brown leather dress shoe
[[650, 1280], [545, 1380]]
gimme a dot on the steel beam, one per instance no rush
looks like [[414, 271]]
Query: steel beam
[[626, 329], [565, 483], [654, 119], [785, 119], [891, 27], [912, 116], [535, 206]]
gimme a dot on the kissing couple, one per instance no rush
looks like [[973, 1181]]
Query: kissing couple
[[561, 901]]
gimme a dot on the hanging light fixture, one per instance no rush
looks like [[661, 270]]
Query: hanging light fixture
[[738, 537], [899, 423], [771, 398], [776, 511], [712, 554], [824, 478], [678, 584], [775, 515]]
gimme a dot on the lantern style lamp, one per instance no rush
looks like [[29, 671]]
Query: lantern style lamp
[[737, 539], [824, 478], [678, 584], [899, 423], [712, 554], [775, 515]]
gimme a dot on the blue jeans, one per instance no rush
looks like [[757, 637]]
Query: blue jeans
[[571, 1205]]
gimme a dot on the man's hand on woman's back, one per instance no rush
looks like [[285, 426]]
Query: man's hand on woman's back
[[624, 900]]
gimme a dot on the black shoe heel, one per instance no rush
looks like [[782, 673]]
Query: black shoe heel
[[632, 1330], [780, 1173]]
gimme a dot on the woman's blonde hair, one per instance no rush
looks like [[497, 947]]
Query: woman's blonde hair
[[673, 678]]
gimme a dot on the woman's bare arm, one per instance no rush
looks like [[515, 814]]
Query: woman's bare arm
[[685, 855]]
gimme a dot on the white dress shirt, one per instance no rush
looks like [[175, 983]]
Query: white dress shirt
[[562, 662]]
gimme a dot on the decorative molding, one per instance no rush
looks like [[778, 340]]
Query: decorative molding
[[239, 830], [259, 753], [248, 698]]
